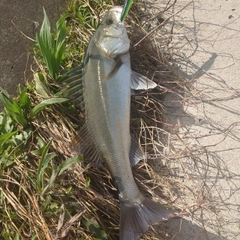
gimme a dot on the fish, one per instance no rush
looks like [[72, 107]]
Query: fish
[[102, 87]]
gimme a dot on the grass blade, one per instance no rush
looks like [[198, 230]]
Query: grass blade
[[43, 164], [41, 87], [24, 100], [14, 109], [4, 137], [45, 103], [66, 164]]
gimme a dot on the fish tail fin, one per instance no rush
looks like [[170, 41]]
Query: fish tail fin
[[135, 219]]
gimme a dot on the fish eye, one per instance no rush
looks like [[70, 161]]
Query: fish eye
[[109, 21]]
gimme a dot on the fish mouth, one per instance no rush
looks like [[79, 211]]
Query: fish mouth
[[112, 36], [117, 10]]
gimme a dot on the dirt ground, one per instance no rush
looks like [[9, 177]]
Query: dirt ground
[[19, 22], [206, 35]]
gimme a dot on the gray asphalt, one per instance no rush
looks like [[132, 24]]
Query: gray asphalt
[[19, 22]]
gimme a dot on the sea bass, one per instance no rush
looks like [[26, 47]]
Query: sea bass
[[102, 87]]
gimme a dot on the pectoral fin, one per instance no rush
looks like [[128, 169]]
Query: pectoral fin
[[136, 153], [71, 83], [82, 144], [116, 67], [140, 82]]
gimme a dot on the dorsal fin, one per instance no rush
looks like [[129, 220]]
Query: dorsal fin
[[71, 83]]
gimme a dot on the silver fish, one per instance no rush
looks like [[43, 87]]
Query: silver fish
[[106, 80]]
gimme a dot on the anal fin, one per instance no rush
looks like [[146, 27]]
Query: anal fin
[[136, 153]]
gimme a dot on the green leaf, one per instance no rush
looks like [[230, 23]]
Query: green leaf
[[6, 124], [43, 164], [21, 137], [61, 31], [54, 205], [18, 114], [7, 103], [92, 225], [46, 203], [51, 49], [41, 87], [46, 43], [87, 182], [5, 158], [40, 142], [45, 103], [66, 164], [24, 100], [14, 110], [61, 35], [45, 31], [69, 190], [52, 179], [5, 137]]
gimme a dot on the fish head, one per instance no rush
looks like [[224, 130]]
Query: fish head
[[112, 38]]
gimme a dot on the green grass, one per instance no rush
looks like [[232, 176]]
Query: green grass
[[52, 48]]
